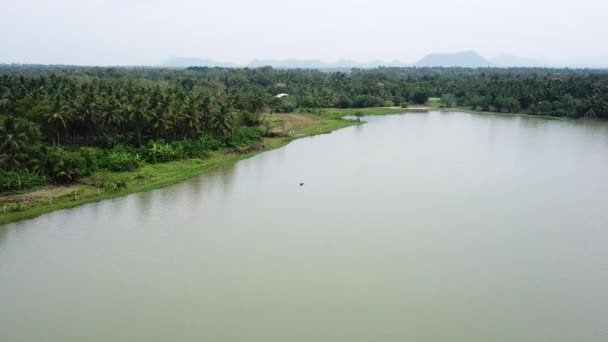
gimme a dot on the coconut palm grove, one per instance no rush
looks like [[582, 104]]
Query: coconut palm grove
[[61, 123]]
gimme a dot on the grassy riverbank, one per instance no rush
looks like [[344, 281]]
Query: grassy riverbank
[[335, 113], [54, 197]]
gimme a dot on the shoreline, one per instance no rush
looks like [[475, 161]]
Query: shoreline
[[299, 125], [173, 172], [481, 112]]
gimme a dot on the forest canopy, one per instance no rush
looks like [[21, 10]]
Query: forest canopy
[[59, 123]]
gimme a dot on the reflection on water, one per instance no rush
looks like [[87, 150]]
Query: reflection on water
[[426, 227]]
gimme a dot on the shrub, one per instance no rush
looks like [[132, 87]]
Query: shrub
[[20, 180], [189, 148], [144, 174], [362, 101], [245, 136], [344, 102], [250, 119], [121, 160], [65, 166], [159, 151], [285, 105], [95, 159], [210, 143]]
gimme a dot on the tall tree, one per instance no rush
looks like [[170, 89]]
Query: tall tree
[[57, 119], [224, 119]]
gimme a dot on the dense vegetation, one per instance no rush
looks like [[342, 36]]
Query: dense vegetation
[[62, 123]]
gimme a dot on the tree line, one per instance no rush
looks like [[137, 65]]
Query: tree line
[[58, 123]]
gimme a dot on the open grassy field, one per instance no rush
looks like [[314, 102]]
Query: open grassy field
[[434, 102], [336, 113]]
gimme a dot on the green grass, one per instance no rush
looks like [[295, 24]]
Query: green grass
[[336, 113], [326, 126], [434, 102]]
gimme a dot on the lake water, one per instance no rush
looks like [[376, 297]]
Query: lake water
[[414, 227]]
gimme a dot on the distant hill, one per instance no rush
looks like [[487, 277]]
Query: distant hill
[[318, 64], [184, 62], [465, 59]]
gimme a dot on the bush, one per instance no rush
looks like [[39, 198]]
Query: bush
[[285, 105], [250, 119], [198, 148], [420, 96], [362, 101], [20, 180], [65, 166], [159, 151], [95, 158], [246, 136], [344, 102], [112, 184], [122, 160]]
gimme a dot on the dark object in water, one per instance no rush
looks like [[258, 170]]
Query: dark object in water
[[301, 184]]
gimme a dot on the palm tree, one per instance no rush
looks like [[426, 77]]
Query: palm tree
[[258, 102], [174, 114], [160, 123], [57, 119], [112, 114], [224, 119], [206, 108], [13, 140], [139, 115], [87, 114], [5, 98], [190, 118]]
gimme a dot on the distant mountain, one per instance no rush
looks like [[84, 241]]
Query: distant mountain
[[184, 62], [465, 59], [317, 64], [506, 61]]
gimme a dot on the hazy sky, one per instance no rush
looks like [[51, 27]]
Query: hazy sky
[[127, 32]]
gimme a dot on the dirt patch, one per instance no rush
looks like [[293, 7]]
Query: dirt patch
[[292, 122], [299, 119], [43, 194]]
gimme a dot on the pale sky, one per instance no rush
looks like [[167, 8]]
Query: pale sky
[[129, 32]]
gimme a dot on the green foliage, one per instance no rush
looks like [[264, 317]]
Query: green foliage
[[65, 166], [106, 117], [363, 101], [420, 96], [210, 143], [344, 102], [246, 136], [160, 151], [95, 159], [144, 174], [448, 100], [20, 180], [120, 159], [197, 148], [285, 105], [18, 138]]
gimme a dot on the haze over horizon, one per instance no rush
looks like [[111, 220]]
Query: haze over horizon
[[148, 32]]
